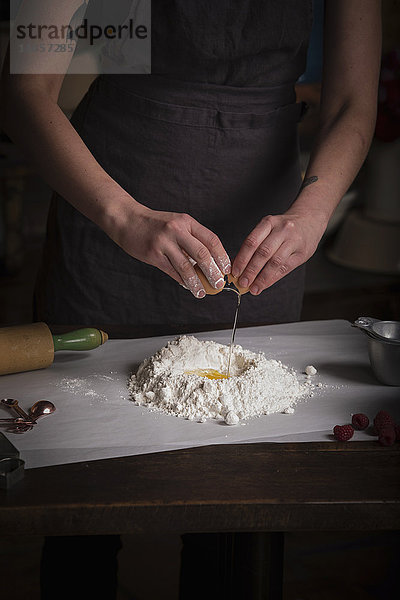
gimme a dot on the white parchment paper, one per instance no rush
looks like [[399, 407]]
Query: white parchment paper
[[95, 418]]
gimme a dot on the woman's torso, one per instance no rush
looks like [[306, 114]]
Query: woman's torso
[[211, 132]]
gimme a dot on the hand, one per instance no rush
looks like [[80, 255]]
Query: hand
[[173, 242], [276, 246]]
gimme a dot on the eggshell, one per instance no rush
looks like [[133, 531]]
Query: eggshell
[[207, 286], [234, 280]]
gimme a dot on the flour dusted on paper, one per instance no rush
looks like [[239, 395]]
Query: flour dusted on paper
[[257, 385]]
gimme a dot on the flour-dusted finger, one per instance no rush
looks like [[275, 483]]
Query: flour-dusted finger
[[214, 245], [199, 254], [186, 272], [166, 266]]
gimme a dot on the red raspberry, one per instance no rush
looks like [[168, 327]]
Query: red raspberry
[[383, 419], [360, 421], [397, 432], [342, 433], [387, 436]]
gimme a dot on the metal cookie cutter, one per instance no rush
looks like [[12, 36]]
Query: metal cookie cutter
[[11, 465]]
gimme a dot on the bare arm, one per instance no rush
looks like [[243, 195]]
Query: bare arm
[[279, 244], [35, 122], [32, 118], [352, 50]]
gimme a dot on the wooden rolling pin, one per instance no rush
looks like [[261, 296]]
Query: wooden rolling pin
[[31, 347]]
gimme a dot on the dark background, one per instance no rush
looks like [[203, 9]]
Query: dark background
[[323, 566]]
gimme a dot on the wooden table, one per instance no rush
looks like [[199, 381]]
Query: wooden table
[[244, 492], [245, 487]]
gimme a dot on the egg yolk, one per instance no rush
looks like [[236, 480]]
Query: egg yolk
[[209, 373]]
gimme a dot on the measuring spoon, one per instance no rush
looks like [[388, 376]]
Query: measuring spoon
[[385, 331], [17, 425], [17, 421], [41, 408], [13, 405]]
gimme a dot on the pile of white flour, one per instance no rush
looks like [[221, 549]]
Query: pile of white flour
[[256, 386]]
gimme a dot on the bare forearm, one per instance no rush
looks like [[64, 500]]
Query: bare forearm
[[352, 46], [162, 239], [339, 151], [39, 127]]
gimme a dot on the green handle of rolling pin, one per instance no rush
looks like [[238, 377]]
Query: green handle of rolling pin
[[81, 339]]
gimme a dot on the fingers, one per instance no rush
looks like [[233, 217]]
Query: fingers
[[282, 262], [265, 251], [200, 254], [183, 242], [184, 271], [249, 247], [175, 242], [214, 246], [273, 249], [166, 266]]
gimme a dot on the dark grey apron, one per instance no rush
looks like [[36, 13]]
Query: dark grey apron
[[212, 133], [225, 154]]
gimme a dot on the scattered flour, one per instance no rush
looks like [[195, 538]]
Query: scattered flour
[[257, 385], [78, 386], [90, 386]]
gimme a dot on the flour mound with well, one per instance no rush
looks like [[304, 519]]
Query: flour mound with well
[[256, 386]]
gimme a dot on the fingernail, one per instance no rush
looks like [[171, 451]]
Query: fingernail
[[244, 282], [227, 269], [235, 272], [254, 289], [219, 284], [200, 294]]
